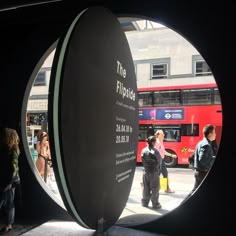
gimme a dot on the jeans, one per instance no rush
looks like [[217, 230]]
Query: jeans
[[7, 201]]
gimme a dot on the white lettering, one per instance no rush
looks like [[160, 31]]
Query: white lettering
[[125, 92], [120, 70]]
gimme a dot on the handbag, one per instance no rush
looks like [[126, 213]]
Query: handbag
[[163, 183]]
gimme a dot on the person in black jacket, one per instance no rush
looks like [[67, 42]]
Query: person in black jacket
[[9, 176], [151, 160], [204, 155]]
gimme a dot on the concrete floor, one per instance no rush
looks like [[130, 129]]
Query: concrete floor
[[133, 213]]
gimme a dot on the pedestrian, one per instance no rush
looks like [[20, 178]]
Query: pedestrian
[[161, 148], [35, 139], [9, 174], [204, 155], [43, 162], [151, 160]]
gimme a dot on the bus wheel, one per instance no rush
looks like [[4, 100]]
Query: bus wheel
[[170, 161]]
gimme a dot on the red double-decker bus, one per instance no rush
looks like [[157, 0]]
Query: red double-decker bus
[[181, 112]]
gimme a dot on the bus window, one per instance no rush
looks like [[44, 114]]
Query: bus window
[[172, 132], [170, 98], [217, 99], [197, 96], [145, 99], [145, 131], [190, 129]]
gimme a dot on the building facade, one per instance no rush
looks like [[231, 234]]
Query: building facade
[[161, 57]]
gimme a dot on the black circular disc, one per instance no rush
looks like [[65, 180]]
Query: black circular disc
[[94, 118]]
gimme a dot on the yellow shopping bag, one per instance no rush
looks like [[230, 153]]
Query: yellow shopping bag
[[163, 183]]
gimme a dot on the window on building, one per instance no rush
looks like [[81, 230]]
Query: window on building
[[201, 68], [40, 79], [160, 71], [37, 118]]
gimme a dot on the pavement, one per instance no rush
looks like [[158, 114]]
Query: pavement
[[180, 179]]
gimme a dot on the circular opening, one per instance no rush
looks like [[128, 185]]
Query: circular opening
[[177, 94]]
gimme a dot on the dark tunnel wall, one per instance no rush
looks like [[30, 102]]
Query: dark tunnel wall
[[22, 47], [28, 32]]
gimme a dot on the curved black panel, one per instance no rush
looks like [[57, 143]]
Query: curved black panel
[[95, 118]]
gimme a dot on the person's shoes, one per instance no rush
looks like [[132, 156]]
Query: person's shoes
[[5, 229], [144, 205], [158, 206], [169, 191]]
